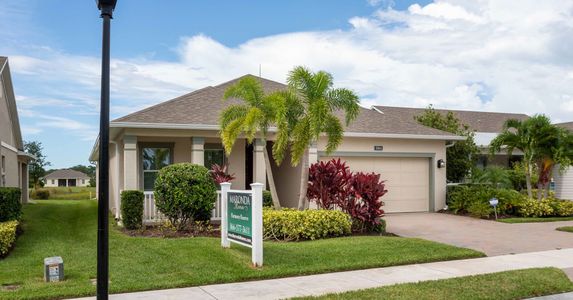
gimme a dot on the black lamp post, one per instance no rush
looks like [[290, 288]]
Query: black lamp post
[[106, 7]]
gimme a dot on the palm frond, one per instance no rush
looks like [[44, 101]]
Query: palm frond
[[334, 133], [346, 100]]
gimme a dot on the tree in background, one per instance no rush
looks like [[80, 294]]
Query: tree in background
[[88, 170], [310, 109], [462, 156], [36, 166]]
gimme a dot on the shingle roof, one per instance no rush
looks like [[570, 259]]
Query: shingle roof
[[568, 125], [204, 105], [479, 121], [66, 174], [3, 59], [199, 107]]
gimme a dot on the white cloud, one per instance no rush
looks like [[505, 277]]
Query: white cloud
[[483, 55]]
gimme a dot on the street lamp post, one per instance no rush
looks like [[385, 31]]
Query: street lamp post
[[106, 7]]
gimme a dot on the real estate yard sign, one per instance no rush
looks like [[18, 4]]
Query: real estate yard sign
[[242, 219]]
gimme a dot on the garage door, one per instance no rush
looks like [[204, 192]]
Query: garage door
[[407, 180]]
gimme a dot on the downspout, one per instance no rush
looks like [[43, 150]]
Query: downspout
[[116, 190], [450, 145]]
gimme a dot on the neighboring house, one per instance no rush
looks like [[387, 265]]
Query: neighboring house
[[564, 180], [66, 177], [13, 159], [185, 129], [486, 125]]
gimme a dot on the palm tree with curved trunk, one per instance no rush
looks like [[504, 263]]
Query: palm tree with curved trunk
[[308, 111], [252, 118]]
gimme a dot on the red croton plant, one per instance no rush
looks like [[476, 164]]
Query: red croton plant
[[220, 174], [332, 185]]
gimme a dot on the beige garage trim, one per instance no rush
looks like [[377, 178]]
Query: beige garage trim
[[409, 179]]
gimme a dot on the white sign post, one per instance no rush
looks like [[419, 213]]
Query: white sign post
[[242, 219]]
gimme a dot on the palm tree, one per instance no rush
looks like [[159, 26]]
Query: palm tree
[[309, 110], [540, 142], [251, 119]]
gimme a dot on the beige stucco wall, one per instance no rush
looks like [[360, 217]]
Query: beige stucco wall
[[12, 170], [7, 137], [287, 180], [395, 146]]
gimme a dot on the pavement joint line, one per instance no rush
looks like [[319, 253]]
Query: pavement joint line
[[204, 291]]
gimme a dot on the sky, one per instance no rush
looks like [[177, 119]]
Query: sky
[[497, 55]]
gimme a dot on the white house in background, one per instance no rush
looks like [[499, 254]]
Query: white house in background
[[486, 125], [13, 160], [66, 177], [564, 180]]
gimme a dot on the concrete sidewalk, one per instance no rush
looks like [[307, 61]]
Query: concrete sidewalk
[[360, 279]]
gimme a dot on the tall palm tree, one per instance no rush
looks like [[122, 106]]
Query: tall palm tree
[[252, 119], [539, 140], [308, 111]]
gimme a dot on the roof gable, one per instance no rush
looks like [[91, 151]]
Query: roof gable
[[9, 99]]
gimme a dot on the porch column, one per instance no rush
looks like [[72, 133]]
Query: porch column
[[197, 150], [312, 154], [130, 168], [259, 169]]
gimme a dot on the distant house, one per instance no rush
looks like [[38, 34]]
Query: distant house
[[564, 180], [13, 160], [486, 125], [66, 177]]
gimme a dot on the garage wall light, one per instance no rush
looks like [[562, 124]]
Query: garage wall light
[[441, 163]]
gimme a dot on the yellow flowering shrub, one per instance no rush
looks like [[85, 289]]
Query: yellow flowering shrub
[[293, 225], [7, 236]]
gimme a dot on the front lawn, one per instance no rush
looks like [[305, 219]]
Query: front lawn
[[499, 286], [68, 229], [566, 228], [535, 219]]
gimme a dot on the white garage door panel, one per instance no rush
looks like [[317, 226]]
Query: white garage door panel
[[407, 180]]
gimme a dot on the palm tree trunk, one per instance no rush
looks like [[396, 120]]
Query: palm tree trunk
[[303, 181], [539, 191], [528, 183], [271, 178]]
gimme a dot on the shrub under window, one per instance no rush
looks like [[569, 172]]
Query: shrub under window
[[132, 209], [185, 192], [10, 206]]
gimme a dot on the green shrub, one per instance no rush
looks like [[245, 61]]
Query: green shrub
[[293, 225], [474, 200], [132, 209], [185, 192], [7, 236], [548, 207], [563, 208], [10, 205], [41, 194], [267, 199]]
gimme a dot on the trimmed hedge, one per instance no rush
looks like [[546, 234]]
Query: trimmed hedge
[[293, 225], [185, 193], [474, 200], [132, 209], [550, 207], [7, 236], [10, 205]]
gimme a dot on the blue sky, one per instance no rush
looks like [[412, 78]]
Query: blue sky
[[451, 53]]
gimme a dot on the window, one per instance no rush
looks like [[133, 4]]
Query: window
[[3, 171], [53, 181], [83, 181], [214, 154], [154, 159]]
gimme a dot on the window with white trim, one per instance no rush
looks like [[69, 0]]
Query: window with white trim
[[154, 159]]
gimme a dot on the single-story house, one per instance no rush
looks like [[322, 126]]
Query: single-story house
[[564, 180], [13, 160], [409, 156], [66, 177], [486, 125]]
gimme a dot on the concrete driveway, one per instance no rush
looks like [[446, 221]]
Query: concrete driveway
[[490, 237]]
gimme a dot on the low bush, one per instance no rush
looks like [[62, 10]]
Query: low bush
[[10, 205], [267, 199], [474, 200], [41, 194], [548, 207], [185, 192], [7, 236], [132, 209], [294, 225]]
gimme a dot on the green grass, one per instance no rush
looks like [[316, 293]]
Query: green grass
[[68, 229], [499, 286], [69, 193], [535, 219], [566, 228]]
